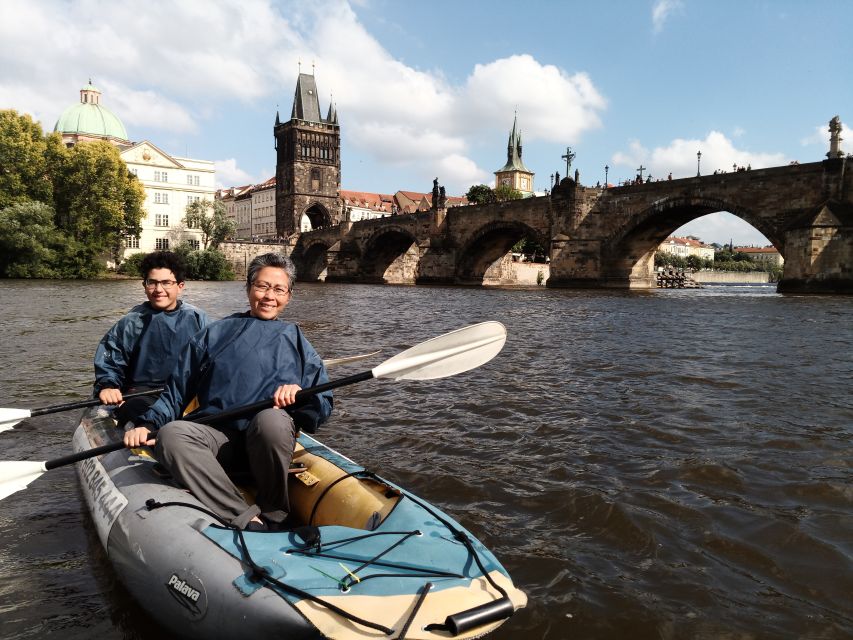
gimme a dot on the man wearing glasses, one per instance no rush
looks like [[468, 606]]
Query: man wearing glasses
[[141, 349], [240, 360]]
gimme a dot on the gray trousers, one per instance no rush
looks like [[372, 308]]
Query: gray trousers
[[198, 455]]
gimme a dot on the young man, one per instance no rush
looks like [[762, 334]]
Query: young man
[[141, 349], [239, 360]]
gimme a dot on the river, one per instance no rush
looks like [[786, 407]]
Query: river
[[660, 464]]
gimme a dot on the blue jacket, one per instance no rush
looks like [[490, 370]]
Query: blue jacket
[[142, 348], [240, 360]]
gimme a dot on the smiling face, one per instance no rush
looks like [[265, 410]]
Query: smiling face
[[269, 293], [162, 297]]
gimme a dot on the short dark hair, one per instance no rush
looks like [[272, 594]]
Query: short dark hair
[[163, 260], [277, 260]]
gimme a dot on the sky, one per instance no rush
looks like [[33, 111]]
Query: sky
[[430, 89]]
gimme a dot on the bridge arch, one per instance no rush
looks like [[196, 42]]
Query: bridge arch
[[312, 259], [317, 216], [483, 259], [390, 256], [629, 258]]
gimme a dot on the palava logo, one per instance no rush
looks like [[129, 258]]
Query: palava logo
[[188, 595]]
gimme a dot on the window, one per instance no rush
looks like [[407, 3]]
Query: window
[[135, 172], [161, 220], [165, 176], [189, 179], [157, 197], [156, 176], [161, 244], [165, 198], [315, 179], [191, 199], [131, 242], [194, 244], [195, 180]]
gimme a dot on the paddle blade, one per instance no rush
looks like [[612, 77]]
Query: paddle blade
[[10, 417], [17, 474], [446, 355]]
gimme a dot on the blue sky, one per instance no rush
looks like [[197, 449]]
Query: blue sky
[[430, 89]]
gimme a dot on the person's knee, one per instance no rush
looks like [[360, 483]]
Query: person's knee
[[171, 437], [273, 425]]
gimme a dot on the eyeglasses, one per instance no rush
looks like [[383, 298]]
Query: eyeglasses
[[152, 284], [263, 287]]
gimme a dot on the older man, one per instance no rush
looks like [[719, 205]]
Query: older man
[[239, 360]]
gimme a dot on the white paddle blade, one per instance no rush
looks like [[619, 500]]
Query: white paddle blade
[[446, 355], [10, 417], [17, 475]]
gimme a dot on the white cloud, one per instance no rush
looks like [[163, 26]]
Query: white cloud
[[171, 67], [723, 227], [679, 157], [228, 174], [661, 10], [551, 103]]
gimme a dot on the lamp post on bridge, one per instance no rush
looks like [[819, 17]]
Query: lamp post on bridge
[[606, 169], [698, 159]]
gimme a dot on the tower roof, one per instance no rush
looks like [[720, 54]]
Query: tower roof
[[306, 103], [89, 117], [513, 150]]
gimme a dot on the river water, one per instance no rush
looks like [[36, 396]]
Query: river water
[[664, 464]]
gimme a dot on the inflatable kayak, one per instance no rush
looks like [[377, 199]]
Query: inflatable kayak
[[365, 559]]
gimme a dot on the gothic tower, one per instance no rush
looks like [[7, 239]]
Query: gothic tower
[[514, 174], [308, 163]]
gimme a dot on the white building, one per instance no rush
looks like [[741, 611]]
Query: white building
[[263, 210], [767, 255], [685, 247], [170, 182]]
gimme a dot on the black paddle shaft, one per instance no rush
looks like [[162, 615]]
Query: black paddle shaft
[[86, 403], [232, 413]]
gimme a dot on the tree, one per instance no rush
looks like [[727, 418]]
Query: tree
[[480, 194], [504, 193], [97, 200], [24, 156], [211, 219], [28, 241]]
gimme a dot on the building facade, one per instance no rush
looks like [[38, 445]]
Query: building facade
[[170, 182], [766, 255], [308, 163], [685, 247], [263, 210]]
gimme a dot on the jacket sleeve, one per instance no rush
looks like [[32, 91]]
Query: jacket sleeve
[[180, 386], [308, 417], [114, 353]]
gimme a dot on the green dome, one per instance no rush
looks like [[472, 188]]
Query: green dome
[[88, 117]]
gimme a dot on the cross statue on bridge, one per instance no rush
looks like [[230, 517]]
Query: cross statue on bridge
[[641, 169], [568, 158]]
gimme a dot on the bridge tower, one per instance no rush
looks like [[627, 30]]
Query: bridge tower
[[308, 163], [514, 174]]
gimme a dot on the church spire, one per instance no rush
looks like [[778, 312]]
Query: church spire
[[513, 149]]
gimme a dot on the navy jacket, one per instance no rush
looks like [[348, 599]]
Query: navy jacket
[[142, 348], [240, 360]]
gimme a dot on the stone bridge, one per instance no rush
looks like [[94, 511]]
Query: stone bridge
[[600, 237]]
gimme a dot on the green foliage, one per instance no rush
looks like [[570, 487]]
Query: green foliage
[[504, 193], [28, 241], [97, 200], [132, 266], [209, 264], [24, 158], [480, 194], [529, 247], [94, 201], [211, 219]]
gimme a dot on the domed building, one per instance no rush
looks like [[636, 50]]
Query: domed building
[[89, 120], [170, 182]]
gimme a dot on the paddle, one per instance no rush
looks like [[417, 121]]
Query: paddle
[[440, 357], [10, 417]]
